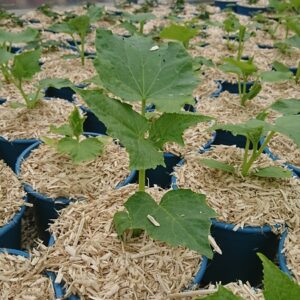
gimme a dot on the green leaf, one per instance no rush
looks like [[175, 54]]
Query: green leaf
[[273, 172], [62, 130], [214, 164], [95, 12], [49, 141], [25, 36], [277, 285], [278, 66], [179, 33], [140, 17], [85, 150], [57, 83], [289, 126], [122, 222], [275, 76], [222, 294], [129, 69], [169, 127], [62, 27], [181, 219], [287, 106], [16, 105], [238, 67], [129, 27], [293, 41], [80, 25], [126, 125], [26, 64], [5, 56], [76, 122], [254, 91]]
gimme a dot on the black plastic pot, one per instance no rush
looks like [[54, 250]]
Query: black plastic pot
[[226, 4], [249, 10], [265, 46], [281, 256], [47, 209], [233, 88], [10, 234]]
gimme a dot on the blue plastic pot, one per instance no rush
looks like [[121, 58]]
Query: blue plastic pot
[[281, 257], [226, 4], [10, 234], [239, 260], [45, 208], [11, 150], [249, 11]]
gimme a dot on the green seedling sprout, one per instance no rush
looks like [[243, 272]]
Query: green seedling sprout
[[230, 25], [243, 70], [255, 130], [73, 143], [136, 70], [140, 18], [277, 285], [80, 26]]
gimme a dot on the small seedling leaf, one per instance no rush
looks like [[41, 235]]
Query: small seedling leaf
[[273, 172], [183, 216], [276, 76], [214, 164]]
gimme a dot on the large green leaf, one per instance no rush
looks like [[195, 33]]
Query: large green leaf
[[5, 56], [273, 172], [26, 64], [80, 25], [25, 36], [179, 33], [289, 125], [277, 285], [287, 106], [169, 127], [133, 70], [222, 294], [181, 219], [238, 67], [128, 126]]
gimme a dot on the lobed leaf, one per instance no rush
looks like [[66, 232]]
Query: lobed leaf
[[181, 219]]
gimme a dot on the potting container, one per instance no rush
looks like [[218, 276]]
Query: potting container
[[45, 208], [249, 10], [265, 46], [223, 137], [233, 88], [281, 256], [10, 234], [225, 4], [239, 260]]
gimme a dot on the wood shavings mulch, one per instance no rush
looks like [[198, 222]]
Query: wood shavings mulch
[[243, 201], [23, 123], [55, 175], [292, 251], [286, 149], [11, 194], [94, 263], [21, 279]]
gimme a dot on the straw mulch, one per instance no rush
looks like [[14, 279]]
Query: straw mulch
[[243, 201], [22, 279], [11, 194], [23, 123], [96, 264], [55, 175]]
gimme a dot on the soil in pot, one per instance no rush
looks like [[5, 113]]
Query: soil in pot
[[23, 278], [242, 201], [94, 262], [11, 207]]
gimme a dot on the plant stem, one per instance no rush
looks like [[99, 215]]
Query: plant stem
[[246, 151], [246, 167], [25, 97], [82, 50], [240, 87], [142, 23], [142, 172]]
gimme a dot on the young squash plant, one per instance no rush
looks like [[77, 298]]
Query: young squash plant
[[134, 69], [74, 144], [230, 25], [140, 18], [256, 130], [277, 285], [19, 68]]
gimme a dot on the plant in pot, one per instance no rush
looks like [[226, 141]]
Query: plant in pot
[[240, 180], [230, 25], [160, 75]]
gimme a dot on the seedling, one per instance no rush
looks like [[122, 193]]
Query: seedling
[[230, 25], [243, 70], [281, 72], [277, 285], [23, 67], [79, 26], [140, 18], [78, 147], [179, 33], [254, 130], [134, 69], [5, 15], [47, 11]]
